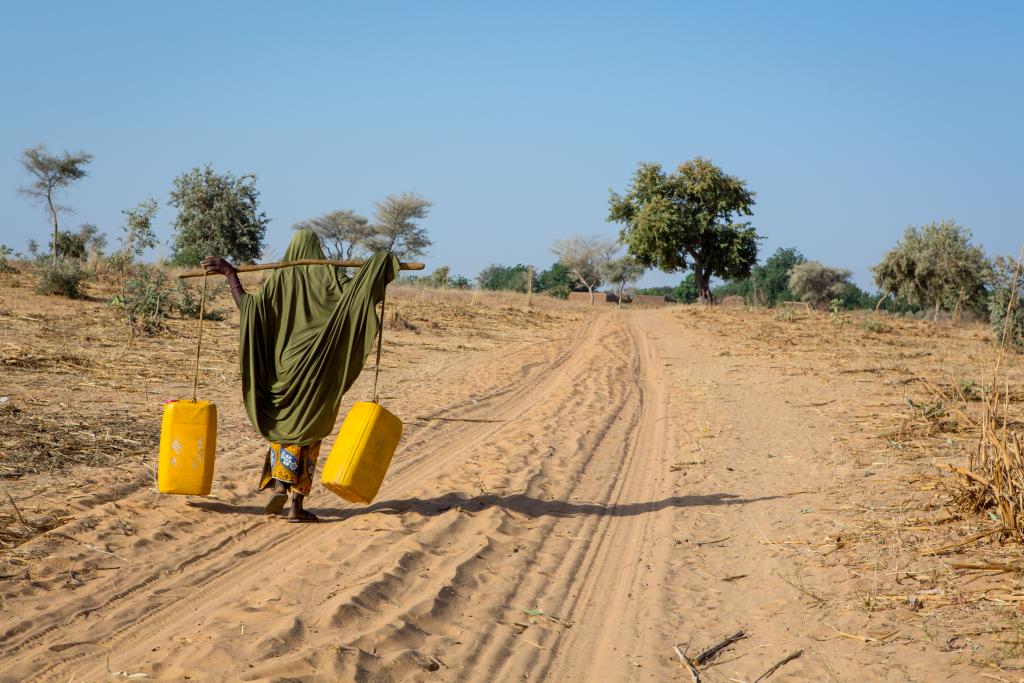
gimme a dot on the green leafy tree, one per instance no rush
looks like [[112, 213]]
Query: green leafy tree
[[52, 174], [771, 280], [218, 214], [342, 233], [77, 245], [503, 278], [584, 257], [622, 272], [687, 292], [935, 266], [556, 281], [687, 219], [1006, 303], [816, 283], [396, 228]]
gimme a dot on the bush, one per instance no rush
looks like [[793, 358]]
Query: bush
[[816, 283], [5, 265], [187, 301], [144, 301], [503, 278], [1004, 273], [64, 278]]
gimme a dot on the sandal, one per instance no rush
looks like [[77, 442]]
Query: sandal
[[276, 503], [304, 517]]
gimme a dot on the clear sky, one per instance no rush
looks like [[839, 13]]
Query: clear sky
[[849, 120]]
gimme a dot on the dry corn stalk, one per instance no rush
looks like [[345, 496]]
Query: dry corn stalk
[[994, 476]]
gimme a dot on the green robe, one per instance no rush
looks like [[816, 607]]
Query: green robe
[[304, 338]]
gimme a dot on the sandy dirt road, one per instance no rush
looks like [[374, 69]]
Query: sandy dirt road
[[638, 488]]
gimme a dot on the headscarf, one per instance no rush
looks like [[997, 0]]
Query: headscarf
[[304, 337]]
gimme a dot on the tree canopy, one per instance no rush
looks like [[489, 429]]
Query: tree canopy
[[503, 278], [817, 284], [396, 228], [935, 266], [218, 215], [342, 233], [556, 281], [622, 272], [51, 174], [1006, 303], [583, 258], [687, 219]]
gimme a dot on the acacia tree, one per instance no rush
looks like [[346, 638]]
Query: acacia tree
[[342, 233], [935, 266], [686, 219], [584, 257], [395, 227], [621, 272], [52, 174], [816, 283], [218, 214]]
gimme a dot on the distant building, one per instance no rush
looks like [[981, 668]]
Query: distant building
[[599, 298], [651, 300]]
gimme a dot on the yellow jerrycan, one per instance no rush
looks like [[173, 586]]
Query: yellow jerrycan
[[362, 452], [188, 441]]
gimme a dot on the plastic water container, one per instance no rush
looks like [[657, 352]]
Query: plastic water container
[[188, 441], [362, 452]]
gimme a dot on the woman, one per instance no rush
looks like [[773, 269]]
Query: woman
[[304, 336]]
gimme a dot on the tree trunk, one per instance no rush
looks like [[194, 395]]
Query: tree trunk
[[620, 295], [53, 217], [591, 290], [701, 280]]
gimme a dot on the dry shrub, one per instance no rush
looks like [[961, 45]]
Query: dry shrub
[[994, 476]]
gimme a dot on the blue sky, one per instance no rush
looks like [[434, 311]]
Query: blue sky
[[850, 121]]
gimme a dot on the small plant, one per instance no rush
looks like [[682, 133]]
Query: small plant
[[144, 301], [785, 314], [836, 306], [5, 265], [63, 278], [872, 325]]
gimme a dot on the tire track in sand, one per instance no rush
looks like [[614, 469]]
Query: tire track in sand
[[142, 596]]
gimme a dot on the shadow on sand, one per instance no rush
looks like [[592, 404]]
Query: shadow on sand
[[517, 502]]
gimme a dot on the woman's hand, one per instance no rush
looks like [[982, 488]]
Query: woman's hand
[[216, 264]]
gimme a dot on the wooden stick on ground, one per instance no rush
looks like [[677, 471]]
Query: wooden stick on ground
[[13, 505], [694, 674], [343, 263], [966, 541], [710, 653], [781, 663]]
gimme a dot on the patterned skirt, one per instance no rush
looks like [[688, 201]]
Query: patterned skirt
[[294, 465]]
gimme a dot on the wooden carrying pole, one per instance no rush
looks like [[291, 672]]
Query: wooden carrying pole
[[349, 263]]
